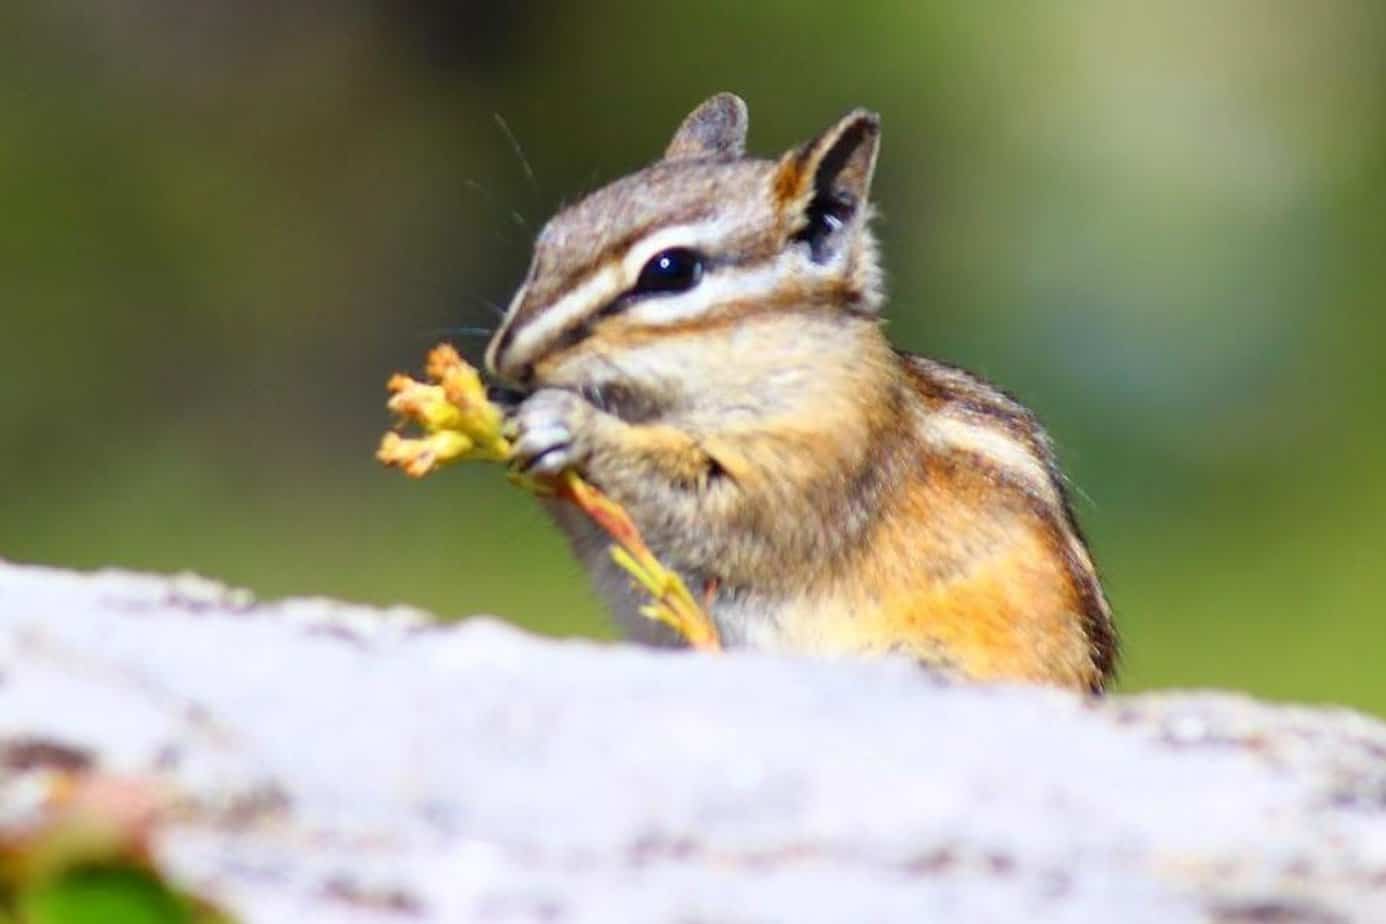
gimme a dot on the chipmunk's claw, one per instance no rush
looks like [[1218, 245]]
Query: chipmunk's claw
[[546, 431]]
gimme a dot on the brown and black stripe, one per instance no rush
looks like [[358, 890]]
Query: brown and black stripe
[[951, 391]]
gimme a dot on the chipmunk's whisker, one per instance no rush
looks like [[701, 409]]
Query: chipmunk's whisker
[[459, 331], [489, 305], [511, 213], [520, 153]]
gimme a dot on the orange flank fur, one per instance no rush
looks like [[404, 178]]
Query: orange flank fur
[[974, 587], [999, 606]]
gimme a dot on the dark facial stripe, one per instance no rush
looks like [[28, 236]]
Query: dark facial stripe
[[816, 299], [538, 300], [612, 252], [731, 313]]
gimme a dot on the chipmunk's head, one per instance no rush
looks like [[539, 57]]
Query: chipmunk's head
[[700, 243]]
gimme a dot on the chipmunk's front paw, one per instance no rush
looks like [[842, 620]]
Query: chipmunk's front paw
[[551, 431]]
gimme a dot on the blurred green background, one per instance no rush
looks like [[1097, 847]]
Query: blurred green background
[[1162, 225]]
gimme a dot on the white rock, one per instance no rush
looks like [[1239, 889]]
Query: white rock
[[353, 765]]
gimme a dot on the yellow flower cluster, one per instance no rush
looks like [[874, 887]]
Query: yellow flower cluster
[[459, 423]]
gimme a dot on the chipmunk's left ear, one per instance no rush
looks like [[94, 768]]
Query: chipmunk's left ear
[[716, 129], [823, 186]]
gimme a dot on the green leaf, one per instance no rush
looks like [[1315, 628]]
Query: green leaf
[[106, 895]]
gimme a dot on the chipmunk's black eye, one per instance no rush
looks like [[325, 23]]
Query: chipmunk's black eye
[[674, 270]]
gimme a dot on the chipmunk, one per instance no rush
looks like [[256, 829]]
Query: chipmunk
[[702, 340]]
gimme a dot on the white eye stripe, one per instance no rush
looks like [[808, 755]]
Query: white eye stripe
[[593, 292], [717, 287], [600, 289], [690, 237]]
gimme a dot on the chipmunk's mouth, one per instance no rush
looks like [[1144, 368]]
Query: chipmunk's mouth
[[633, 405], [630, 404], [505, 397]]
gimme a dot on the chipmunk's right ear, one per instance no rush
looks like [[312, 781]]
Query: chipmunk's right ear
[[822, 187], [716, 129]]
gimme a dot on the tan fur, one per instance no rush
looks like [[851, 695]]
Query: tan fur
[[835, 496]]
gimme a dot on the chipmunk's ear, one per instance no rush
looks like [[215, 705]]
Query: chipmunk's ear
[[716, 129], [822, 187]]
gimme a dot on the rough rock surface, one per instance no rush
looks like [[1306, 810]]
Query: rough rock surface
[[341, 764]]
